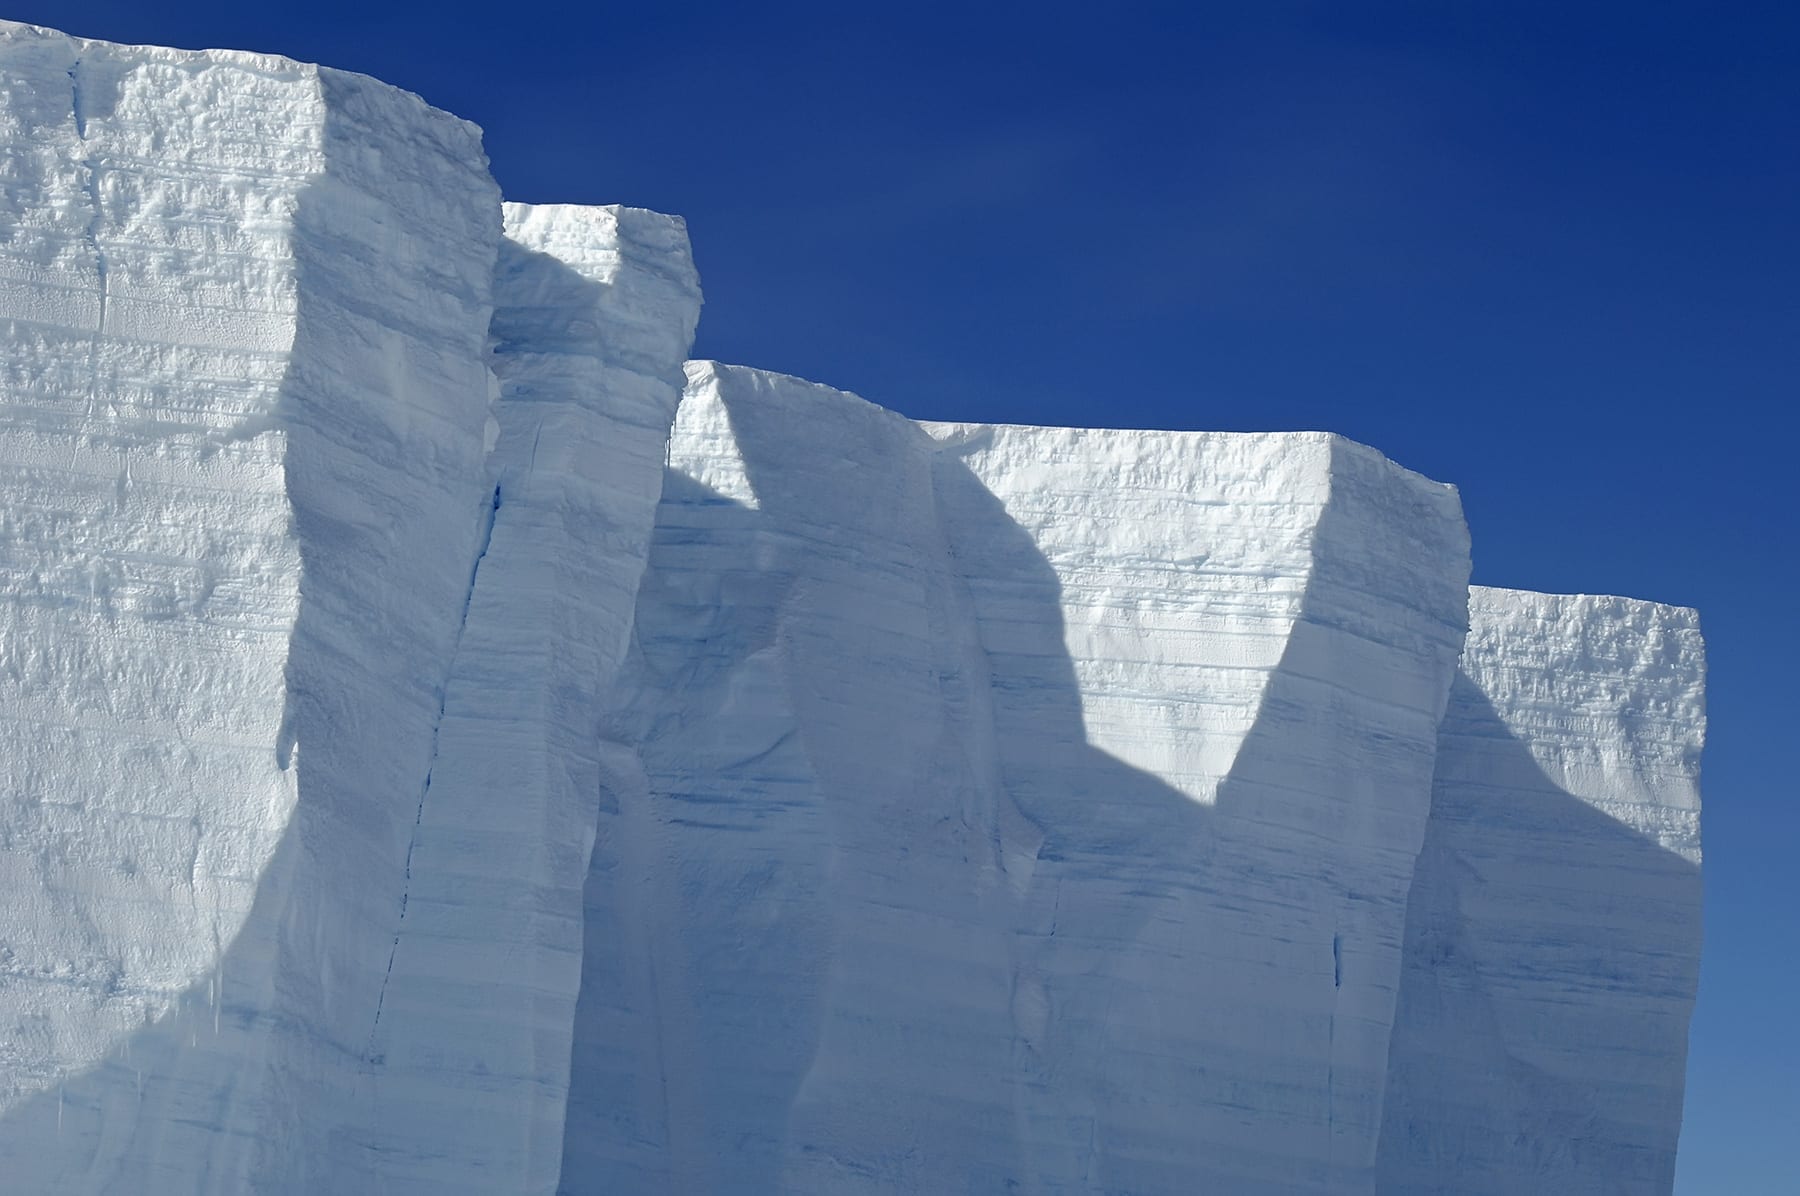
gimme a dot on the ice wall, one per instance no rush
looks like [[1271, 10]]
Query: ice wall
[[595, 311], [1553, 935], [151, 581], [1016, 806], [434, 760], [246, 389]]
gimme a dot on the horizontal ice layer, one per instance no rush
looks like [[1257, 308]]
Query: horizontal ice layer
[[594, 312], [1553, 933], [245, 306], [385, 807], [1011, 806], [151, 581], [1213, 994]]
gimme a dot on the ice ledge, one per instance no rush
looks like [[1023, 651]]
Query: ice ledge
[[1551, 607], [274, 66], [1607, 694]]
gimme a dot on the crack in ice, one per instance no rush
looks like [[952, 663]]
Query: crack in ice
[[487, 539]]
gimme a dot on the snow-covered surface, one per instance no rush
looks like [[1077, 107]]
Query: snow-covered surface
[[432, 760]]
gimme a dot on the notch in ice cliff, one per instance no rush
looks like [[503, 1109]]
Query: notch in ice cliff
[[450, 744]]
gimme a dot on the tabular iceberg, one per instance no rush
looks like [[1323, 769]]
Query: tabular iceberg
[[449, 744]]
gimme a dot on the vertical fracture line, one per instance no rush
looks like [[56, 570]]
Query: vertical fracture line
[[487, 539]]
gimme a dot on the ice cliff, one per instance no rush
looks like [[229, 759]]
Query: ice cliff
[[450, 745]]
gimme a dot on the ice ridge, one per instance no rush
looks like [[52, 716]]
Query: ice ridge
[[450, 742]]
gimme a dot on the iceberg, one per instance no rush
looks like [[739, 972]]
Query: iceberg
[[452, 743]]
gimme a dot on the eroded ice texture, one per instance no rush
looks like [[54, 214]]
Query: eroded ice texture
[[421, 772], [246, 303], [1012, 806], [595, 311], [1553, 937]]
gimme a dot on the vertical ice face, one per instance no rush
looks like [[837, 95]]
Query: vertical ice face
[[1204, 987], [1553, 934], [1011, 805], [595, 309], [791, 514], [386, 406], [421, 772], [152, 582], [245, 307]]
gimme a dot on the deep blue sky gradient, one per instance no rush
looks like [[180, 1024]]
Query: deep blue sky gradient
[[1548, 253]]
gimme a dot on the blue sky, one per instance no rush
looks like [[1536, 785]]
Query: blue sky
[[1545, 252]]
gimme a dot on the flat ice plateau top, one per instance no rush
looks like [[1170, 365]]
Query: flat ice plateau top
[[451, 744]]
